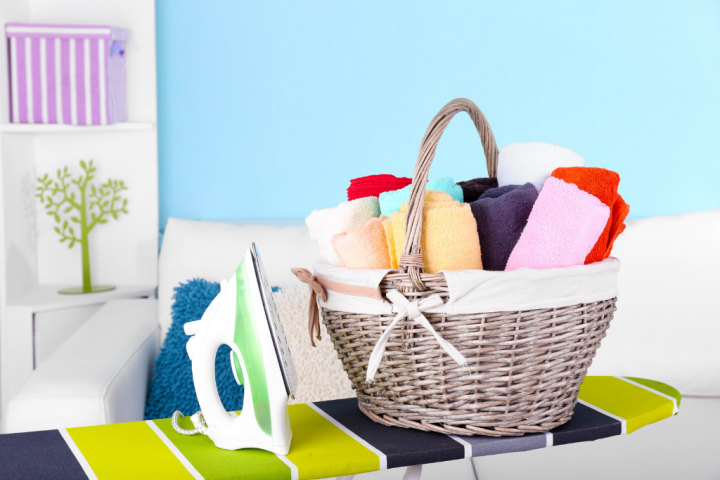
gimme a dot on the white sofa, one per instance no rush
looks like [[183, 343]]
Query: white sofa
[[667, 327]]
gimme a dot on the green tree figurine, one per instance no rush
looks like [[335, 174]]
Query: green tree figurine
[[86, 206]]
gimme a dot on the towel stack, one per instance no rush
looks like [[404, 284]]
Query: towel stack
[[545, 210], [576, 221]]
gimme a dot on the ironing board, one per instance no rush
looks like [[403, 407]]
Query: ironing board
[[330, 439]]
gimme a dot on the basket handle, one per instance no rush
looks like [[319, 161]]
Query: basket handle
[[411, 258]]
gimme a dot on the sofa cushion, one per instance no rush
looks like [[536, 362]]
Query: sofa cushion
[[99, 375], [667, 324], [172, 385], [213, 250], [320, 372]]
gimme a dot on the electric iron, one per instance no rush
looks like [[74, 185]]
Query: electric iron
[[244, 317]]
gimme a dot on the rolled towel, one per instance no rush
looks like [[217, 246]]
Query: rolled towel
[[324, 224], [604, 185], [396, 223], [449, 235], [364, 246], [390, 238], [390, 202], [472, 189], [619, 212], [374, 185], [501, 214], [562, 228], [522, 162]]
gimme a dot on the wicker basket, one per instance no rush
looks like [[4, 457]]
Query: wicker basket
[[524, 367]]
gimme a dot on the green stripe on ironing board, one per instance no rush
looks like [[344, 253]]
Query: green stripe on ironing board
[[659, 386], [126, 450], [216, 463], [634, 404], [320, 449]]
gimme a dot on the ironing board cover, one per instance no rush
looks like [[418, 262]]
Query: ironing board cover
[[330, 438]]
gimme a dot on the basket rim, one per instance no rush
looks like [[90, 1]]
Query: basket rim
[[469, 291]]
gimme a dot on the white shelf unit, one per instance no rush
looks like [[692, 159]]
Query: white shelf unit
[[45, 298], [116, 127], [34, 318]]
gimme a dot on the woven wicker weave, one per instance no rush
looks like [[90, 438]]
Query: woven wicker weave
[[524, 367]]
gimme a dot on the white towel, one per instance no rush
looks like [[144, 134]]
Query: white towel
[[324, 224], [522, 162]]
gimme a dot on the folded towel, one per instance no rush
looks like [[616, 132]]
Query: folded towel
[[390, 238], [603, 184], [364, 246], [501, 214], [519, 163], [562, 228], [619, 212], [395, 225], [324, 224], [374, 185], [472, 189], [390, 202], [449, 235]]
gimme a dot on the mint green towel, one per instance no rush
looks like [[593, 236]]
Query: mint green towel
[[392, 201]]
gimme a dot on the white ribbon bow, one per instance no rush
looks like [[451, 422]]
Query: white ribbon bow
[[406, 308]]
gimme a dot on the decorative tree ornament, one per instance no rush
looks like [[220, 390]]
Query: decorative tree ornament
[[78, 206]]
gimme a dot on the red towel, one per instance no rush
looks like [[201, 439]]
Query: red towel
[[603, 184], [374, 185]]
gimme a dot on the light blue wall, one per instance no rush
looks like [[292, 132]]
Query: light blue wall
[[267, 109]]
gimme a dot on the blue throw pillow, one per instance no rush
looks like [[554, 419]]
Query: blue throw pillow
[[172, 384]]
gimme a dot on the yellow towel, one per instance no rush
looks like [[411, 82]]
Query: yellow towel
[[363, 246], [449, 236], [390, 243]]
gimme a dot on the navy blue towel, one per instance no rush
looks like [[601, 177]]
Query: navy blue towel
[[472, 189], [501, 214]]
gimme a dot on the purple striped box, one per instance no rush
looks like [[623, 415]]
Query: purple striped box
[[71, 74]]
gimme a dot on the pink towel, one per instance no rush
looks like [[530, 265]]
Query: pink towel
[[562, 228]]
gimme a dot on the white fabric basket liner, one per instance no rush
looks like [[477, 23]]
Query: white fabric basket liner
[[478, 291]]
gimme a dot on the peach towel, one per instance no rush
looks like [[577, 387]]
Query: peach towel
[[364, 246], [562, 228], [603, 184], [449, 235], [324, 224]]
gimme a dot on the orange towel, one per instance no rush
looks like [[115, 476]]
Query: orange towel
[[363, 246], [449, 235], [619, 213], [603, 184]]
